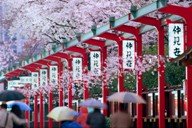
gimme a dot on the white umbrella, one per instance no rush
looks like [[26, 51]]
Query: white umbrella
[[62, 113], [91, 102], [126, 97]]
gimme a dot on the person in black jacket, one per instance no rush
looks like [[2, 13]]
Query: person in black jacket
[[96, 119], [17, 111]]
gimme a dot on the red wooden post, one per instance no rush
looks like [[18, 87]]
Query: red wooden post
[[70, 97], [60, 71], [104, 82], [189, 95], [41, 97], [57, 60], [57, 57], [121, 87], [118, 40], [27, 112], [161, 70], [161, 78], [63, 55], [139, 84], [85, 70], [50, 101], [86, 90], [50, 107], [136, 32], [103, 48], [185, 13], [35, 115], [33, 68], [41, 111]]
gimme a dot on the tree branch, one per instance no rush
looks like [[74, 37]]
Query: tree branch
[[65, 1], [53, 39], [61, 25]]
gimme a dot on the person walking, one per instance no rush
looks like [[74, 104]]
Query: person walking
[[17, 111], [96, 119], [71, 123], [122, 118], [82, 118], [7, 118]]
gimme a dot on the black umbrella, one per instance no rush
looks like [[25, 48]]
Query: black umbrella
[[8, 95]]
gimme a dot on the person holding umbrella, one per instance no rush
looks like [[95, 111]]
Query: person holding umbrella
[[66, 116], [17, 111], [7, 118], [82, 118], [122, 118], [96, 119], [71, 123]]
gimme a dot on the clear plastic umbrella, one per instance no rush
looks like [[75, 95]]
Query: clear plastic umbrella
[[91, 102], [126, 97]]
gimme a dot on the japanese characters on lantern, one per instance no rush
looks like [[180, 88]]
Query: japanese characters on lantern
[[12, 84], [53, 74], [176, 39], [43, 77], [9, 85], [95, 57], [25, 79], [77, 68], [128, 54], [35, 79]]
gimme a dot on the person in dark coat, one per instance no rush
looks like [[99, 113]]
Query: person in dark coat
[[17, 111], [96, 119]]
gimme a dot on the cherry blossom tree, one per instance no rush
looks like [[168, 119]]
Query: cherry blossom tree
[[7, 54], [59, 19], [56, 21]]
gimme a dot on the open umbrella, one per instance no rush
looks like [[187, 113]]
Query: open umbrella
[[126, 97], [91, 102], [8, 95], [62, 113], [23, 106]]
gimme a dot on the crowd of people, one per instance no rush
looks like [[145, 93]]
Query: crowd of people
[[95, 119], [85, 119]]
